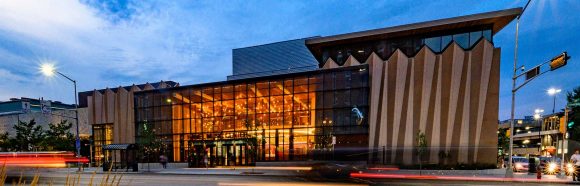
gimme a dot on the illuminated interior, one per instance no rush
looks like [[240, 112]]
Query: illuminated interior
[[279, 118]]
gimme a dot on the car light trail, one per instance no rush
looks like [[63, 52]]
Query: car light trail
[[450, 178], [39, 159]]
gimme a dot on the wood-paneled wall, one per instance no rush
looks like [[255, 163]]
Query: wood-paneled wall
[[116, 107], [452, 97]]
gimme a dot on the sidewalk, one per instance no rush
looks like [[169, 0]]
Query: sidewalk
[[259, 171], [496, 175]]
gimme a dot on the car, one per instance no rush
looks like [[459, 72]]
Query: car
[[520, 164], [550, 165]]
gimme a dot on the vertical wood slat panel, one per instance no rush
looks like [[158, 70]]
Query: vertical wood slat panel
[[438, 94], [447, 59], [465, 115], [487, 60], [400, 79], [409, 137], [456, 65], [382, 122], [375, 64], [435, 112]]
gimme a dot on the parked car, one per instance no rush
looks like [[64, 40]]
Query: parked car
[[520, 164], [550, 165]]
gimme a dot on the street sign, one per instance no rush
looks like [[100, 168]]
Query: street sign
[[559, 61], [25, 107], [532, 73], [45, 107]]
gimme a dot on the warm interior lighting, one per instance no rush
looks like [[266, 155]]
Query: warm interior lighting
[[47, 69]]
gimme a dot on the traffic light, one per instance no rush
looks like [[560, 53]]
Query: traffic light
[[570, 112], [559, 61]]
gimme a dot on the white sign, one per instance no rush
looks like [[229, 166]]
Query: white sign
[[45, 107], [26, 107], [334, 140]]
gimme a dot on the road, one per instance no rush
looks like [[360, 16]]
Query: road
[[403, 182], [163, 179]]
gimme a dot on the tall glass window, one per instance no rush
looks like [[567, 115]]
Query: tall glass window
[[281, 118]]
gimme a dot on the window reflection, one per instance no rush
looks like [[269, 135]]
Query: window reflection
[[408, 45]]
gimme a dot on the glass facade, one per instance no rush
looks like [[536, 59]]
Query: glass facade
[[102, 135], [408, 45], [314, 115]]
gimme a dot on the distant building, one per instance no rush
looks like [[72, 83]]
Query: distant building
[[15, 109], [526, 135]]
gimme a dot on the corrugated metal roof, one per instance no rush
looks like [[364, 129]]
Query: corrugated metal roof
[[270, 59], [119, 146]]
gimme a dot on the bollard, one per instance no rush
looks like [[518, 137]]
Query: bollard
[[531, 165], [538, 172]]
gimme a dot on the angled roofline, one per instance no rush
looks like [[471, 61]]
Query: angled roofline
[[266, 44], [499, 19]]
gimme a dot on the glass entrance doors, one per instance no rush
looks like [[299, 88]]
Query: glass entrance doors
[[222, 153]]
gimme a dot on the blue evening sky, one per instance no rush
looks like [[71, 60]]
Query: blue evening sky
[[111, 43]]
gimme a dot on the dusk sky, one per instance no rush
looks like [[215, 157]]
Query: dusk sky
[[103, 44]]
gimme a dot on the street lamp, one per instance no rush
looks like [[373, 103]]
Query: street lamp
[[49, 70], [554, 92], [538, 117], [509, 172]]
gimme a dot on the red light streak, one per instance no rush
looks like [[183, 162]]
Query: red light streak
[[39, 159], [451, 178]]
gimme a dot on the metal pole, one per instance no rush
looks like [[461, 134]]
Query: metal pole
[[564, 140], [540, 136], [554, 106], [509, 172], [78, 139]]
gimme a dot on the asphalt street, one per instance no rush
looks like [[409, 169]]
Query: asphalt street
[[404, 182], [166, 179]]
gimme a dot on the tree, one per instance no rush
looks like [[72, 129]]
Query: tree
[[59, 137], [28, 136], [5, 144], [149, 144], [503, 143], [421, 148], [574, 114]]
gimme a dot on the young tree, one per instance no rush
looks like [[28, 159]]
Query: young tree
[[421, 148], [28, 136], [149, 144], [574, 114], [503, 143], [59, 137], [5, 144]]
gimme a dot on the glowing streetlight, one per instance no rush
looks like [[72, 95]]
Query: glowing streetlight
[[554, 92], [49, 70], [538, 114]]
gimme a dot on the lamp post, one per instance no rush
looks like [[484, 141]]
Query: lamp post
[[554, 92], [49, 70], [538, 117], [509, 172]]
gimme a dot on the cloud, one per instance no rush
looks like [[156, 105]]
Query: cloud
[[6, 75], [103, 43], [99, 44]]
